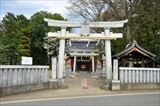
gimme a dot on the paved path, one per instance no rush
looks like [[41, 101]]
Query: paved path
[[148, 99], [78, 80]]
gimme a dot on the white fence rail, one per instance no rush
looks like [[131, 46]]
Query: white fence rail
[[139, 75], [15, 75]]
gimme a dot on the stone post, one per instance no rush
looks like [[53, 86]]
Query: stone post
[[64, 69], [115, 81], [68, 67], [54, 68], [108, 57], [93, 66], [131, 64], [53, 80], [74, 65], [115, 69], [98, 68], [104, 66]]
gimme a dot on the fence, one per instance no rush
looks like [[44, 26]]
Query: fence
[[14, 75], [139, 75]]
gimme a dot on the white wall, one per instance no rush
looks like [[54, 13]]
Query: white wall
[[14, 75], [139, 75]]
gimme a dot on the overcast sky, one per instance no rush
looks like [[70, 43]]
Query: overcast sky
[[29, 7]]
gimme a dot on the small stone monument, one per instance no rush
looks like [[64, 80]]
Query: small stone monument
[[99, 67], [115, 81], [53, 80]]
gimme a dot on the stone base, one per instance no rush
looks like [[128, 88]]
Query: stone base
[[94, 75], [99, 72], [53, 84], [61, 84], [57, 84], [103, 75], [71, 74], [105, 87], [4, 91], [115, 85], [140, 86]]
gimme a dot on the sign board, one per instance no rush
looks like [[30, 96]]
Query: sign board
[[85, 30], [54, 67], [26, 60]]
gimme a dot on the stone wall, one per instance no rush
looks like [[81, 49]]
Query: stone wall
[[140, 86], [4, 91]]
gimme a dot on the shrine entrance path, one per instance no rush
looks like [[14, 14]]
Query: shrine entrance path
[[77, 82]]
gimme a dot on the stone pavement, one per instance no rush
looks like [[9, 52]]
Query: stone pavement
[[75, 89]]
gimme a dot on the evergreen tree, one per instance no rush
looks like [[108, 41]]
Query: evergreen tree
[[10, 30], [24, 46]]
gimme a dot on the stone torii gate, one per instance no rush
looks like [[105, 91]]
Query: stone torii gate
[[106, 36]]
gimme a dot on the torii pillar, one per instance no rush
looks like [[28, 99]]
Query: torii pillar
[[108, 57], [61, 54]]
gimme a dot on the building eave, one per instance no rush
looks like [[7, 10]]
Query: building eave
[[134, 47]]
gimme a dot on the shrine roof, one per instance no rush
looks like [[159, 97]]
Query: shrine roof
[[134, 47], [83, 45], [87, 48]]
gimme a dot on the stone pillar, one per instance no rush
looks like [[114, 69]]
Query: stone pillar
[[54, 68], [108, 56], [68, 67], [64, 69], [104, 73], [93, 65], [61, 55], [115, 81], [99, 68], [115, 69], [74, 65], [131, 64]]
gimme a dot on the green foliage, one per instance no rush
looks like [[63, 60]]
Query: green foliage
[[24, 46], [23, 37], [147, 26], [10, 28], [51, 46], [4, 53], [38, 31], [25, 52], [118, 45]]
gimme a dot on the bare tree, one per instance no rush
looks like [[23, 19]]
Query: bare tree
[[104, 10], [122, 9], [89, 10]]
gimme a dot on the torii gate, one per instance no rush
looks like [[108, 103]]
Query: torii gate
[[107, 36]]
